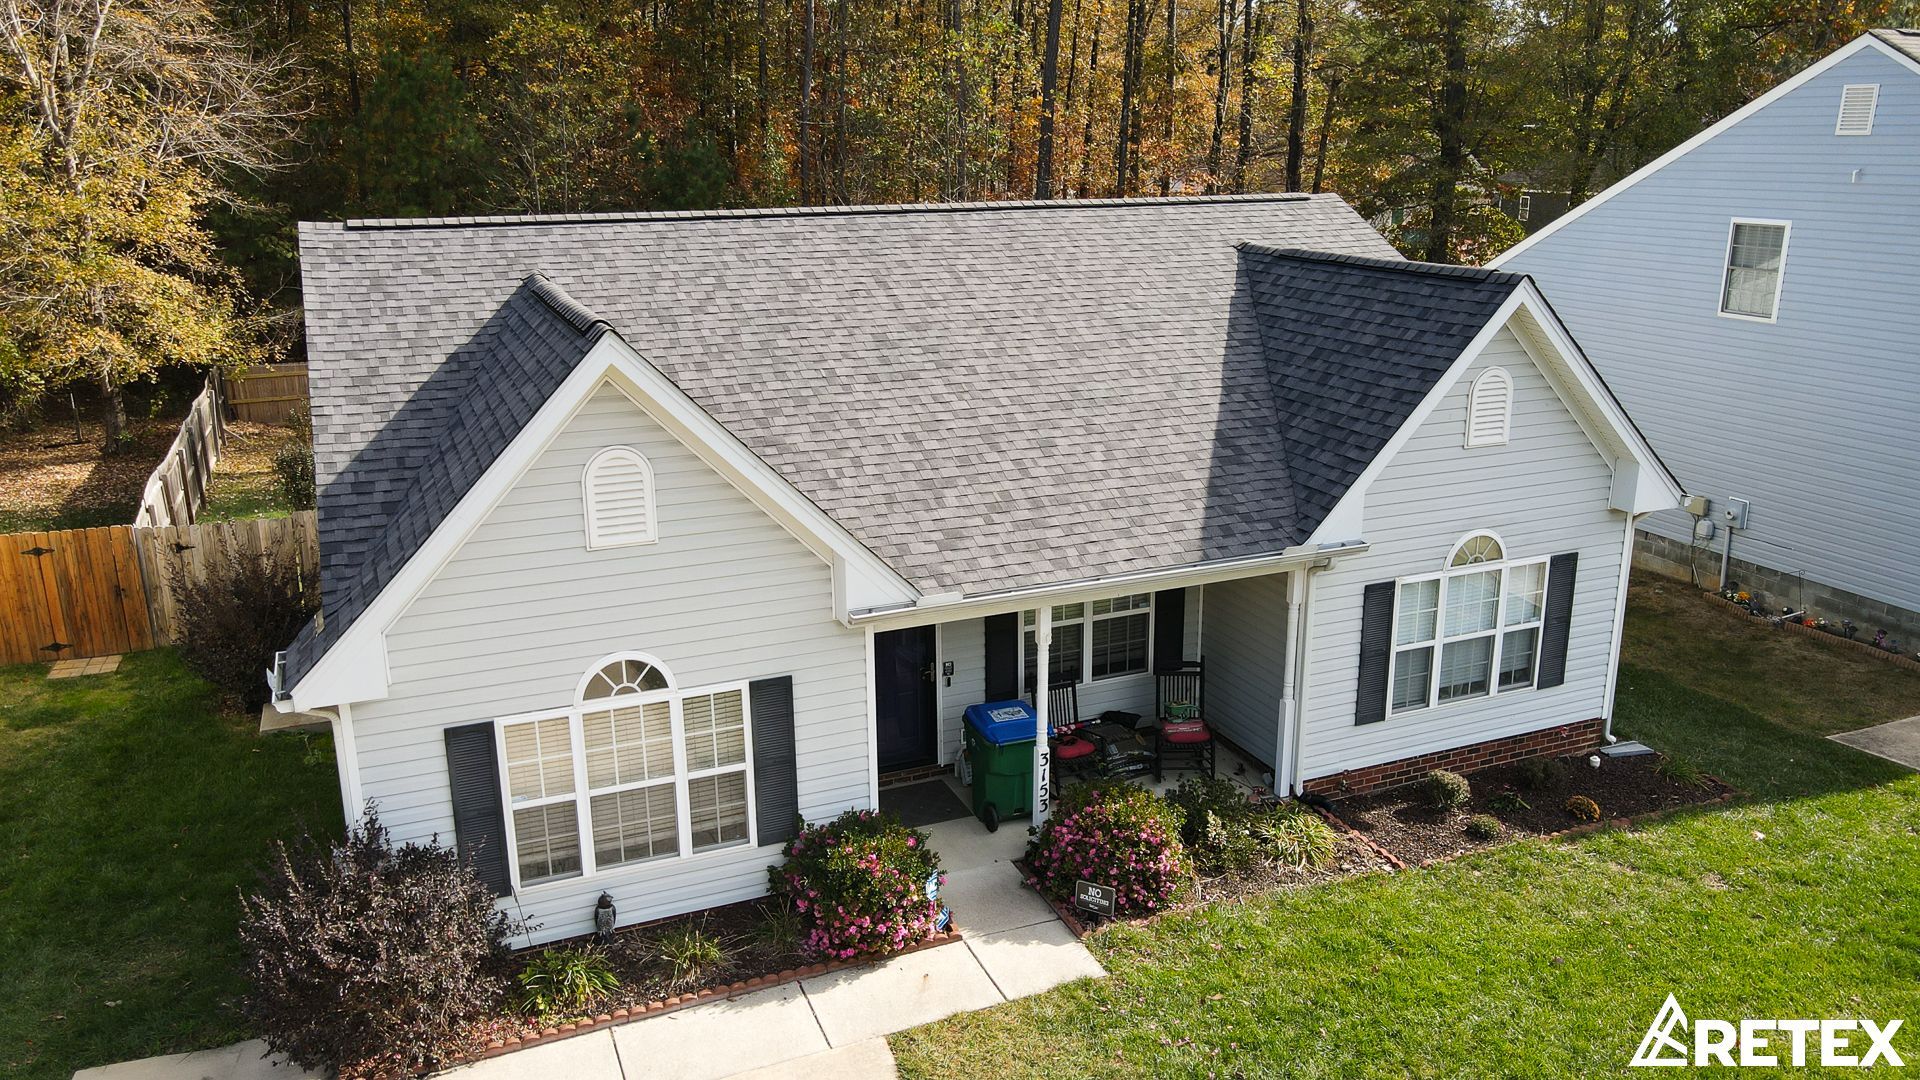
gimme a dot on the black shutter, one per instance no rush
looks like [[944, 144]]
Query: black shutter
[[1003, 656], [1376, 651], [479, 814], [776, 780], [1558, 620], [1169, 627]]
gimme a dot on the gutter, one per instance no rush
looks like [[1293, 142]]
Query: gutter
[[947, 607]]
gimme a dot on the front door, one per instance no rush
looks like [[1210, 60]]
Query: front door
[[904, 698]]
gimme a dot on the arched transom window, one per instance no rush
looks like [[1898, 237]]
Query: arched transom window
[[1470, 630], [637, 770]]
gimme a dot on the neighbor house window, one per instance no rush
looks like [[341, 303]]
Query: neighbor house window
[[1489, 408], [618, 494], [1102, 639], [642, 769], [1526, 207], [1471, 630], [1756, 257], [1856, 109]]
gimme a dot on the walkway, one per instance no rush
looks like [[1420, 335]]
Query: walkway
[[1012, 946], [1898, 742]]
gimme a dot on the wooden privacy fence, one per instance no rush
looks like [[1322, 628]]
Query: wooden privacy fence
[[96, 592], [177, 487], [267, 394]]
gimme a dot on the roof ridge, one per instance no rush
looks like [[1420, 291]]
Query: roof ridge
[[508, 220], [1400, 266], [570, 311]]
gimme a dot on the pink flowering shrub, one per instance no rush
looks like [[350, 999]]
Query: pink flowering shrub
[[1111, 834], [859, 885]]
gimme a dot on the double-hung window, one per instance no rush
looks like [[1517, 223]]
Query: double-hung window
[[1756, 261], [1469, 631], [641, 769], [1101, 639]]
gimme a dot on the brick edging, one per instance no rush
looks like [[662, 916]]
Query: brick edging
[[1804, 630], [675, 1002], [1559, 740], [1357, 836]]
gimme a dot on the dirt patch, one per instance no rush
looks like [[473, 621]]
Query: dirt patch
[[1353, 857], [52, 478], [1525, 802]]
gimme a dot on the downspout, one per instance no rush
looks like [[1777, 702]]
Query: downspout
[[1619, 629], [1301, 653]]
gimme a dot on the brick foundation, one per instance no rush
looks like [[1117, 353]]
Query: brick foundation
[[1574, 738]]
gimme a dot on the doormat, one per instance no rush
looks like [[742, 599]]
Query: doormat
[[928, 803]]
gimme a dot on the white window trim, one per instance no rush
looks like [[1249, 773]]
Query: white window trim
[[1506, 408], [1873, 109], [1526, 206], [582, 797], [1726, 266], [1087, 619], [648, 535], [1440, 639]]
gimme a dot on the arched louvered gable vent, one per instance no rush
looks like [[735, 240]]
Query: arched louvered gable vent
[[1490, 408], [618, 491]]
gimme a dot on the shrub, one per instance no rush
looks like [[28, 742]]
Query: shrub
[[234, 619], [1291, 834], [1539, 774], [1682, 770], [1111, 834], [1216, 819], [293, 469], [1447, 790], [1583, 809], [565, 982], [779, 930], [690, 953], [363, 952], [859, 883], [1484, 827], [1508, 801]]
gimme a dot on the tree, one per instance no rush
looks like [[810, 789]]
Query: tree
[[1049, 75], [118, 121]]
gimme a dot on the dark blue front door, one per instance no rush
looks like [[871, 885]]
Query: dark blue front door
[[904, 697]]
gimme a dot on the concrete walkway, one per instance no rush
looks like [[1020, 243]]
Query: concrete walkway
[[833, 1025], [1898, 742]]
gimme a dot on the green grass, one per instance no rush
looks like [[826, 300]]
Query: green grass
[[130, 813], [1538, 959]]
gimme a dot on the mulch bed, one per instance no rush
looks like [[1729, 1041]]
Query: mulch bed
[[1404, 825]]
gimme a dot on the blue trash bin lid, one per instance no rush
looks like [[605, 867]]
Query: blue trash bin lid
[[1003, 722]]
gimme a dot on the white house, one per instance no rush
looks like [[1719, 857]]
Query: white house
[[1750, 294], [644, 535]]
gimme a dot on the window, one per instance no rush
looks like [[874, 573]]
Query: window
[[1104, 639], [1756, 256], [1471, 630], [1526, 207], [618, 494], [1856, 109], [1489, 408], [640, 768]]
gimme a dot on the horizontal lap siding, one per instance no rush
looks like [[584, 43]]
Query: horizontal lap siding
[[1544, 493], [1809, 418], [514, 621], [1246, 640]]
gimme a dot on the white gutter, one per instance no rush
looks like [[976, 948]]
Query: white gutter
[[947, 607]]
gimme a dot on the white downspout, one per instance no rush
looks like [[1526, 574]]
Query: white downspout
[[1301, 654], [346, 757], [1043, 682], [1289, 683], [1619, 632]]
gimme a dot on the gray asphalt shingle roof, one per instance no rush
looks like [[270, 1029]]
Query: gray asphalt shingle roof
[[1907, 41], [986, 396]]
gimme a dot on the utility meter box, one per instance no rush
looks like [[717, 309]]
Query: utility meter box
[[1695, 505], [1734, 513]]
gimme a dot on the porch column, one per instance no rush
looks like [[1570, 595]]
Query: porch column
[[1043, 682], [1287, 758]]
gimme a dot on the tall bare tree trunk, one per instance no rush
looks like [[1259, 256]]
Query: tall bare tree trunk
[[1326, 126], [1249, 57], [956, 24], [1297, 107], [1085, 185], [806, 111], [1173, 90], [1049, 75], [1123, 161], [1222, 85], [1449, 129]]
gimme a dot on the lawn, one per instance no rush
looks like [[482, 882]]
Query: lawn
[[244, 484], [1542, 958], [130, 813]]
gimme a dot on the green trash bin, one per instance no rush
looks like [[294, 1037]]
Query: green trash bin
[[1000, 746]]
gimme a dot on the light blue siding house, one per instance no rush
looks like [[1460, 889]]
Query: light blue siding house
[[1750, 296]]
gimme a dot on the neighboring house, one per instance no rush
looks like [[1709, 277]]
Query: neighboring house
[[1526, 200], [644, 534], [1750, 296]]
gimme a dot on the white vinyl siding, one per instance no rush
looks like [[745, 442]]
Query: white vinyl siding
[[1756, 268], [510, 625], [1246, 654], [1857, 103], [1490, 408], [617, 489], [1544, 493]]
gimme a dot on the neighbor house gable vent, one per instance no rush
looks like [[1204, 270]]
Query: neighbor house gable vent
[[618, 491], [1856, 109], [1489, 408]]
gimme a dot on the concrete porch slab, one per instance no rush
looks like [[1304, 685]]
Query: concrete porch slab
[[241, 1061], [1034, 958], [723, 1037], [869, 1060], [1898, 742], [855, 1004], [590, 1057]]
